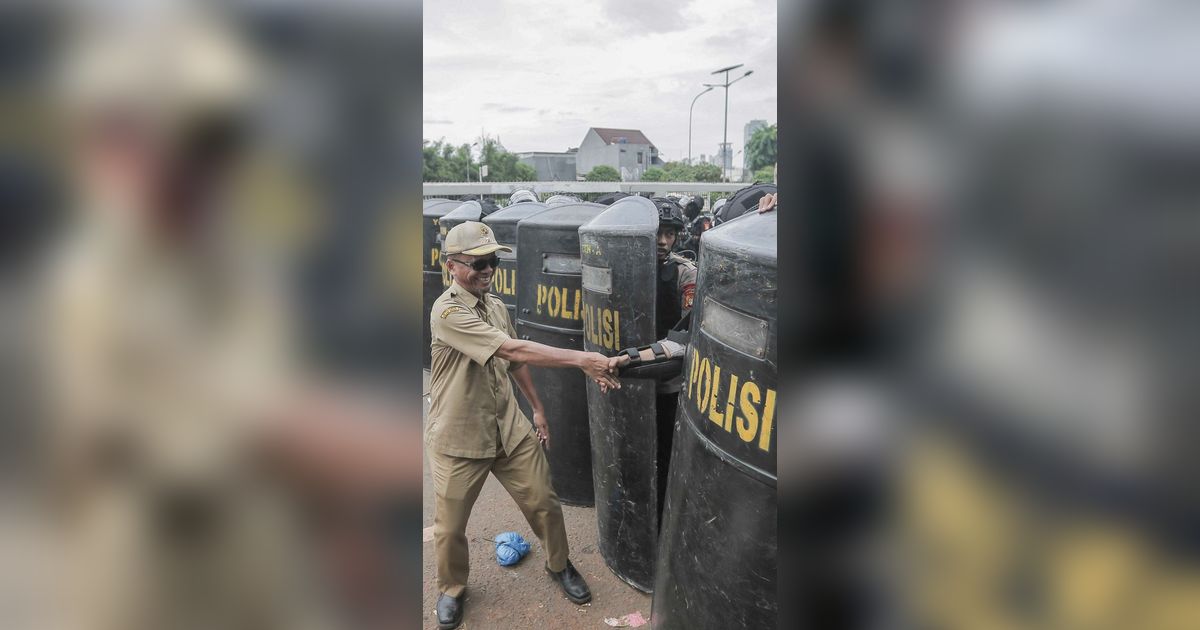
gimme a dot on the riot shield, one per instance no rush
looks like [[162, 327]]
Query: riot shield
[[619, 268], [504, 225], [717, 551], [549, 311]]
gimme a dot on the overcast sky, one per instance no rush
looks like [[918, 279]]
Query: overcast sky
[[539, 73]]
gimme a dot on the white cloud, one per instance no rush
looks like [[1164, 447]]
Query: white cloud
[[538, 73]]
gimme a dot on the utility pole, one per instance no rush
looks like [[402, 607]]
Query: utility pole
[[725, 135], [708, 89]]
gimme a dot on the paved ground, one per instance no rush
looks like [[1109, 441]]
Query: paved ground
[[500, 598]]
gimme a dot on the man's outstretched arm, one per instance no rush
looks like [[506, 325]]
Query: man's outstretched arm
[[598, 367]]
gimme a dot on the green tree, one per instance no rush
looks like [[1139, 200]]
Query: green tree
[[654, 175], [706, 173], [502, 165], [765, 174], [603, 173], [762, 149], [443, 162], [679, 172], [524, 173]]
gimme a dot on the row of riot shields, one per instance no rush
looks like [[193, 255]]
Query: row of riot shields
[[582, 276], [711, 561]]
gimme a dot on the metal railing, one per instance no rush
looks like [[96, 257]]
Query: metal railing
[[451, 189]]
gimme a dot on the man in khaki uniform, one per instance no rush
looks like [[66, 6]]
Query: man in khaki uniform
[[475, 425]]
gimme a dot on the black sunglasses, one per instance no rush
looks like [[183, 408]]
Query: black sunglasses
[[480, 264]]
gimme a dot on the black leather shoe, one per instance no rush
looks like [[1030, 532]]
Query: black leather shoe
[[572, 584], [449, 611]]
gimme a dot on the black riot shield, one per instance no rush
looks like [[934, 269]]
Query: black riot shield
[[504, 283], [504, 225], [549, 311], [717, 550], [431, 267], [619, 268], [465, 211]]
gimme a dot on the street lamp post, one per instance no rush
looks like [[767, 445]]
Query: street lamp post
[[475, 144], [725, 135], [708, 88]]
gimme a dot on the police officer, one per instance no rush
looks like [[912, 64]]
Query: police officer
[[475, 425], [676, 287], [676, 275]]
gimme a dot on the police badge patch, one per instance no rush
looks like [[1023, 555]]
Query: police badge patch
[[453, 309], [689, 293]]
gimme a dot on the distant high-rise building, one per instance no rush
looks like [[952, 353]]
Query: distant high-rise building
[[724, 157], [751, 127]]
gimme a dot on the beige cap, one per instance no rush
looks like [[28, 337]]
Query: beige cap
[[473, 239]]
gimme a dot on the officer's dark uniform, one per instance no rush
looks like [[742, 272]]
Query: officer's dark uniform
[[675, 289]]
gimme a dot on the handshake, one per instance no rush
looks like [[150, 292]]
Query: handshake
[[662, 360], [603, 370]]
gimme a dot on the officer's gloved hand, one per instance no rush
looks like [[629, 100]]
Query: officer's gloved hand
[[660, 361]]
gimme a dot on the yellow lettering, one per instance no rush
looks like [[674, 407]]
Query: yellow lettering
[[607, 335], [717, 418], [578, 297], [729, 398], [764, 438], [503, 282], [747, 423], [541, 297], [435, 255], [555, 302], [706, 384], [695, 371], [616, 330]]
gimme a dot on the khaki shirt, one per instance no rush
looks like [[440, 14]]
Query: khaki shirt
[[473, 406], [687, 280]]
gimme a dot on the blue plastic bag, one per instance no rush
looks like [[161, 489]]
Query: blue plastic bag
[[510, 548]]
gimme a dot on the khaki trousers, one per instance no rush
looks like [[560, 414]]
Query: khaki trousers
[[525, 473]]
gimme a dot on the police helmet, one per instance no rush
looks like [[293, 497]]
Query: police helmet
[[669, 213], [557, 199], [522, 195], [611, 198]]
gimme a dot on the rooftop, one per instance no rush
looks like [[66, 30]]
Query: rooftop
[[622, 136]]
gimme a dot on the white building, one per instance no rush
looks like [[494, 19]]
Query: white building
[[629, 151], [550, 166]]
